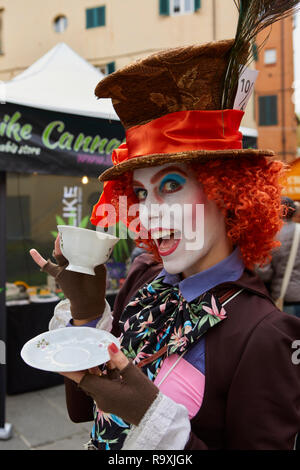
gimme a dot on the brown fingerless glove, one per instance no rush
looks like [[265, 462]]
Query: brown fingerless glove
[[127, 394], [85, 292]]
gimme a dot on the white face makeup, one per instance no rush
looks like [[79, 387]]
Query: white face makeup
[[174, 208]]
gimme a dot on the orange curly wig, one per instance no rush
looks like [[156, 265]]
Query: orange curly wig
[[247, 191]]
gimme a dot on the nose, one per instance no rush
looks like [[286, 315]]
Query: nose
[[150, 212]]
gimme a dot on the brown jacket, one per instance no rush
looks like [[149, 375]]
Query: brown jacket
[[252, 386]]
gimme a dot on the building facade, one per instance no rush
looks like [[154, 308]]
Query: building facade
[[111, 33], [275, 109]]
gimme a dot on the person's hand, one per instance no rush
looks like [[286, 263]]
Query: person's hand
[[76, 376], [85, 292], [57, 254], [124, 390]]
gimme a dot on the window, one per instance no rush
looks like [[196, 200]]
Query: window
[[270, 56], [178, 7], [95, 17], [267, 107], [1, 31], [106, 69], [111, 67], [60, 24]]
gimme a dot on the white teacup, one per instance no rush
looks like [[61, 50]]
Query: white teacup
[[85, 249]]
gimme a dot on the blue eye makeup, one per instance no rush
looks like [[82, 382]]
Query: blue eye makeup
[[171, 183]]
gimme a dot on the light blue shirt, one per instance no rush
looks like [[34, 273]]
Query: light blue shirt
[[229, 269]]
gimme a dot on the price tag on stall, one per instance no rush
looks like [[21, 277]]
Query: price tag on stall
[[245, 88]]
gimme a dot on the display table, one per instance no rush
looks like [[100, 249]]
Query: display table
[[24, 321]]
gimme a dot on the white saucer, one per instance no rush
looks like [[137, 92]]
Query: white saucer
[[44, 298], [68, 349]]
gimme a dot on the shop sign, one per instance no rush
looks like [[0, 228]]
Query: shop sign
[[36, 140]]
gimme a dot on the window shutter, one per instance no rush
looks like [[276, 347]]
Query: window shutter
[[111, 67], [273, 110], [164, 7], [255, 52], [95, 17], [197, 5], [89, 18], [100, 16], [262, 110], [268, 110]]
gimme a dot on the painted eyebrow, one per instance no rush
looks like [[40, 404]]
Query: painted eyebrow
[[166, 171], [137, 183]]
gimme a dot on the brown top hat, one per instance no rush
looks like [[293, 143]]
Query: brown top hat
[[170, 106]]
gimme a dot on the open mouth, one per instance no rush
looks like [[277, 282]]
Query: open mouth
[[166, 240]]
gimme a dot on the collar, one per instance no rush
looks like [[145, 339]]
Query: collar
[[249, 281], [228, 270]]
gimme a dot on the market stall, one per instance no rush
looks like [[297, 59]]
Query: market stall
[[51, 127]]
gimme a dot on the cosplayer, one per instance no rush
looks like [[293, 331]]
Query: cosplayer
[[206, 357]]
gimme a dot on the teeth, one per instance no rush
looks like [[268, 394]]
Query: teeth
[[162, 233]]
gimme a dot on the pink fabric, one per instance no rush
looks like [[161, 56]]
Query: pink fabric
[[185, 384]]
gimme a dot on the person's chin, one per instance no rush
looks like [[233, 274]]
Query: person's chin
[[183, 261], [175, 263]]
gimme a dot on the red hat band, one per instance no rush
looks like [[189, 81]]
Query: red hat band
[[182, 131]]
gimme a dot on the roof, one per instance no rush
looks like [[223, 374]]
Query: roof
[[60, 81]]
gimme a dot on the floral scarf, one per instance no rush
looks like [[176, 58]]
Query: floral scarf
[[158, 320]]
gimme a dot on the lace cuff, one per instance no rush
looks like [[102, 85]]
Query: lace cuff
[[62, 316], [165, 426]]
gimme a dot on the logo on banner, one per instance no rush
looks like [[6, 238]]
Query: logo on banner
[[72, 204], [71, 209]]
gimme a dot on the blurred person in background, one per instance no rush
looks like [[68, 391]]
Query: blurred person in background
[[273, 273], [296, 216]]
